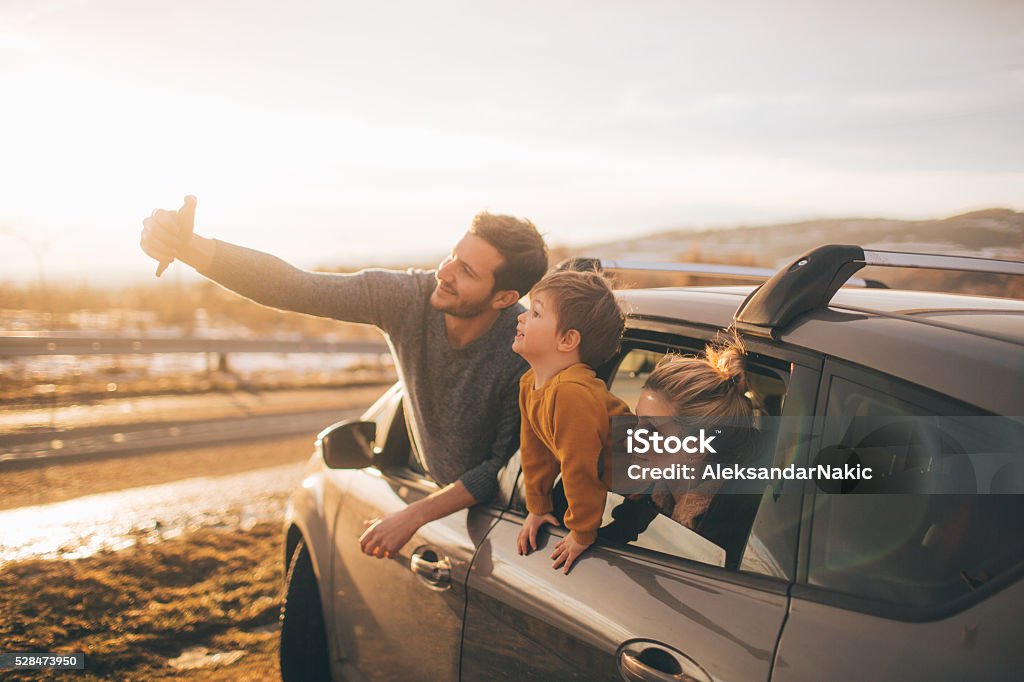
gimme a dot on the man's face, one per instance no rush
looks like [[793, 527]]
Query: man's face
[[537, 331], [465, 279]]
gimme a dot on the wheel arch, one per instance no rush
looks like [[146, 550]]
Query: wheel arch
[[293, 535]]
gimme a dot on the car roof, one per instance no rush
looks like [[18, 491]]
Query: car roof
[[977, 315], [970, 347]]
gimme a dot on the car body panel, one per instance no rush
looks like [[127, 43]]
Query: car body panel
[[825, 642], [527, 621], [387, 622], [307, 512], [978, 370], [709, 308]]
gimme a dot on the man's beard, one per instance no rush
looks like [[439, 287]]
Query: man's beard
[[461, 309], [464, 310]]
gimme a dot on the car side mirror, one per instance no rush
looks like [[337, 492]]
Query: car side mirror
[[347, 444]]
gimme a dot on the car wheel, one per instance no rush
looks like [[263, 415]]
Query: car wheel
[[303, 635]]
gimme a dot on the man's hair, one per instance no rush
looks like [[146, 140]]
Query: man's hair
[[584, 301], [521, 246]]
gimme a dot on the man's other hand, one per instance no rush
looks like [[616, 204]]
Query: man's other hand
[[384, 537]]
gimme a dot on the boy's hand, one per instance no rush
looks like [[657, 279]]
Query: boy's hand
[[527, 539], [566, 552]]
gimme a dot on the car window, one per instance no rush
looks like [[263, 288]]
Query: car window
[[913, 549], [715, 531], [719, 532], [394, 447], [509, 478], [631, 373]]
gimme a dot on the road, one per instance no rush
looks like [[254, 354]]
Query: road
[[160, 483], [123, 440], [116, 520], [29, 437]]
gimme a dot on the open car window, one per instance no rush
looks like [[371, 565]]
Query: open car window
[[748, 532], [394, 447], [690, 526]]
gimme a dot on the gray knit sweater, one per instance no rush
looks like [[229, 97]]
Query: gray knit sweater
[[462, 402]]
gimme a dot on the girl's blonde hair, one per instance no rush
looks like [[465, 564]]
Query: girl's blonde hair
[[709, 385]]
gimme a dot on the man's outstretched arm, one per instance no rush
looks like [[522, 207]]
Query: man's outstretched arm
[[378, 297], [384, 537]]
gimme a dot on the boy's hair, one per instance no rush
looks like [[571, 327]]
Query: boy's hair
[[584, 301], [712, 385], [521, 247]]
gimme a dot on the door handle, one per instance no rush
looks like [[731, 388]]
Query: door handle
[[651, 662], [435, 571]]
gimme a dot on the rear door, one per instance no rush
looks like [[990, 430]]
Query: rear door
[[400, 618], [667, 604], [911, 586]]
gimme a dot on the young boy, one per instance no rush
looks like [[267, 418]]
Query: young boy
[[574, 324]]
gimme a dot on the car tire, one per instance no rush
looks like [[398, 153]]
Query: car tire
[[303, 635]]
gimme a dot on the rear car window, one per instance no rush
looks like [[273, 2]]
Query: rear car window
[[913, 549]]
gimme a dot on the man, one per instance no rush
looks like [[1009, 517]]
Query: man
[[450, 330]]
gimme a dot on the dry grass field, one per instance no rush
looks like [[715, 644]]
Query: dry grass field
[[134, 611]]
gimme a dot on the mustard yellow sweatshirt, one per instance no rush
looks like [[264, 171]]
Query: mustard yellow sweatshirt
[[566, 427]]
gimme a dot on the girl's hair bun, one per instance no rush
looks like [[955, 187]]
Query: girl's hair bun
[[727, 359], [712, 383]]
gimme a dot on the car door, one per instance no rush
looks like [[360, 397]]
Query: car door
[[651, 609], [911, 586], [399, 618]]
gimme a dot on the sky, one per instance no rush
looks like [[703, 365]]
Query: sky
[[343, 132]]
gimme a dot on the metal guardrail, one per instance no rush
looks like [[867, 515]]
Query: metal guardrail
[[28, 344]]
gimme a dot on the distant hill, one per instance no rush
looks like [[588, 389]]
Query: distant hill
[[990, 233]]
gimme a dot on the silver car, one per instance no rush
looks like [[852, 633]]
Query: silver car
[[792, 583]]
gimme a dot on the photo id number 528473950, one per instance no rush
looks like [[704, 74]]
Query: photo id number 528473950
[[41, 661]]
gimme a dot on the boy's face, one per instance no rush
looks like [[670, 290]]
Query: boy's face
[[465, 279], [537, 334]]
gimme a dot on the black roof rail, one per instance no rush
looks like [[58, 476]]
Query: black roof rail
[[810, 282], [724, 271]]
